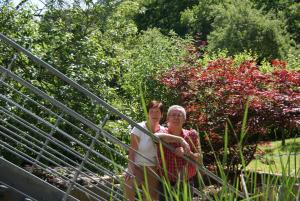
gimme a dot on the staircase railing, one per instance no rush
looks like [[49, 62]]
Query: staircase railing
[[43, 138]]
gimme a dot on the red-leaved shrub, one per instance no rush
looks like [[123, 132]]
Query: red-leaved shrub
[[216, 95]]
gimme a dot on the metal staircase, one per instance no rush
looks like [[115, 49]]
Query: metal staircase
[[58, 141]]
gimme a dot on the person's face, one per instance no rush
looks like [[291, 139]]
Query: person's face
[[155, 114], [175, 118]]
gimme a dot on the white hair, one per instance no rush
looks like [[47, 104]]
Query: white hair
[[177, 108]]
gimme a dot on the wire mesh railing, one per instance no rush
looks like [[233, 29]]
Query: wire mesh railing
[[39, 128]]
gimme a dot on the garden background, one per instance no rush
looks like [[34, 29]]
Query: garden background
[[219, 59]]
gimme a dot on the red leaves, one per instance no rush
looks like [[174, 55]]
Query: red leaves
[[279, 64], [286, 77], [222, 89], [216, 94]]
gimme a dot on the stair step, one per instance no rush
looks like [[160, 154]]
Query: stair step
[[8, 193], [22, 185]]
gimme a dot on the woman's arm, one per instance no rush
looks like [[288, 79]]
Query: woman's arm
[[173, 138], [195, 152], [134, 144]]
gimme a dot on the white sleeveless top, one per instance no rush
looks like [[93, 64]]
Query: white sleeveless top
[[146, 147]]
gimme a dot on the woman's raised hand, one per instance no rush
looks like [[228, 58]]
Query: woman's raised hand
[[185, 146]]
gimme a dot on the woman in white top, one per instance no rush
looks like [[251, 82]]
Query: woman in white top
[[142, 143]]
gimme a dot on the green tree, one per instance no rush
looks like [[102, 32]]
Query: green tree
[[163, 14], [152, 54], [199, 18], [288, 10], [238, 26], [293, 20]]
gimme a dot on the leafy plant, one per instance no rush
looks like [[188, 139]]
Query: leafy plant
[[215, 95]]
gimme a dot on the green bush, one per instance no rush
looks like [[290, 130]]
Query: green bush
[[239, 26]]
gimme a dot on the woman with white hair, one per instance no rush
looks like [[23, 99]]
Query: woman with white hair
[[178, 169]]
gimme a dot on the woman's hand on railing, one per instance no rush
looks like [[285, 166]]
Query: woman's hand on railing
[[129, 172]]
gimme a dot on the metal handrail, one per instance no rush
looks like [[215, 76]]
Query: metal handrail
[[86, 121], [15, 151], [60, 131], [68, 150], [82, 119], [53, 156], [58, 143], [71, 163], [40, 132], [79, 88], [72, 113]]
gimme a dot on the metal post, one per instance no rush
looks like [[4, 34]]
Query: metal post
[[9, 66], [87, 154], [50, 135]]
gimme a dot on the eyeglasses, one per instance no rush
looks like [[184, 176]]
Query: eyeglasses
[[176, 115]]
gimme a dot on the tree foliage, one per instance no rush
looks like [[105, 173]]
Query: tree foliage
[[267, 28], [199, 18], [116, 49], [241, 27], [163, 14], [287, 10], [152, 54]]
